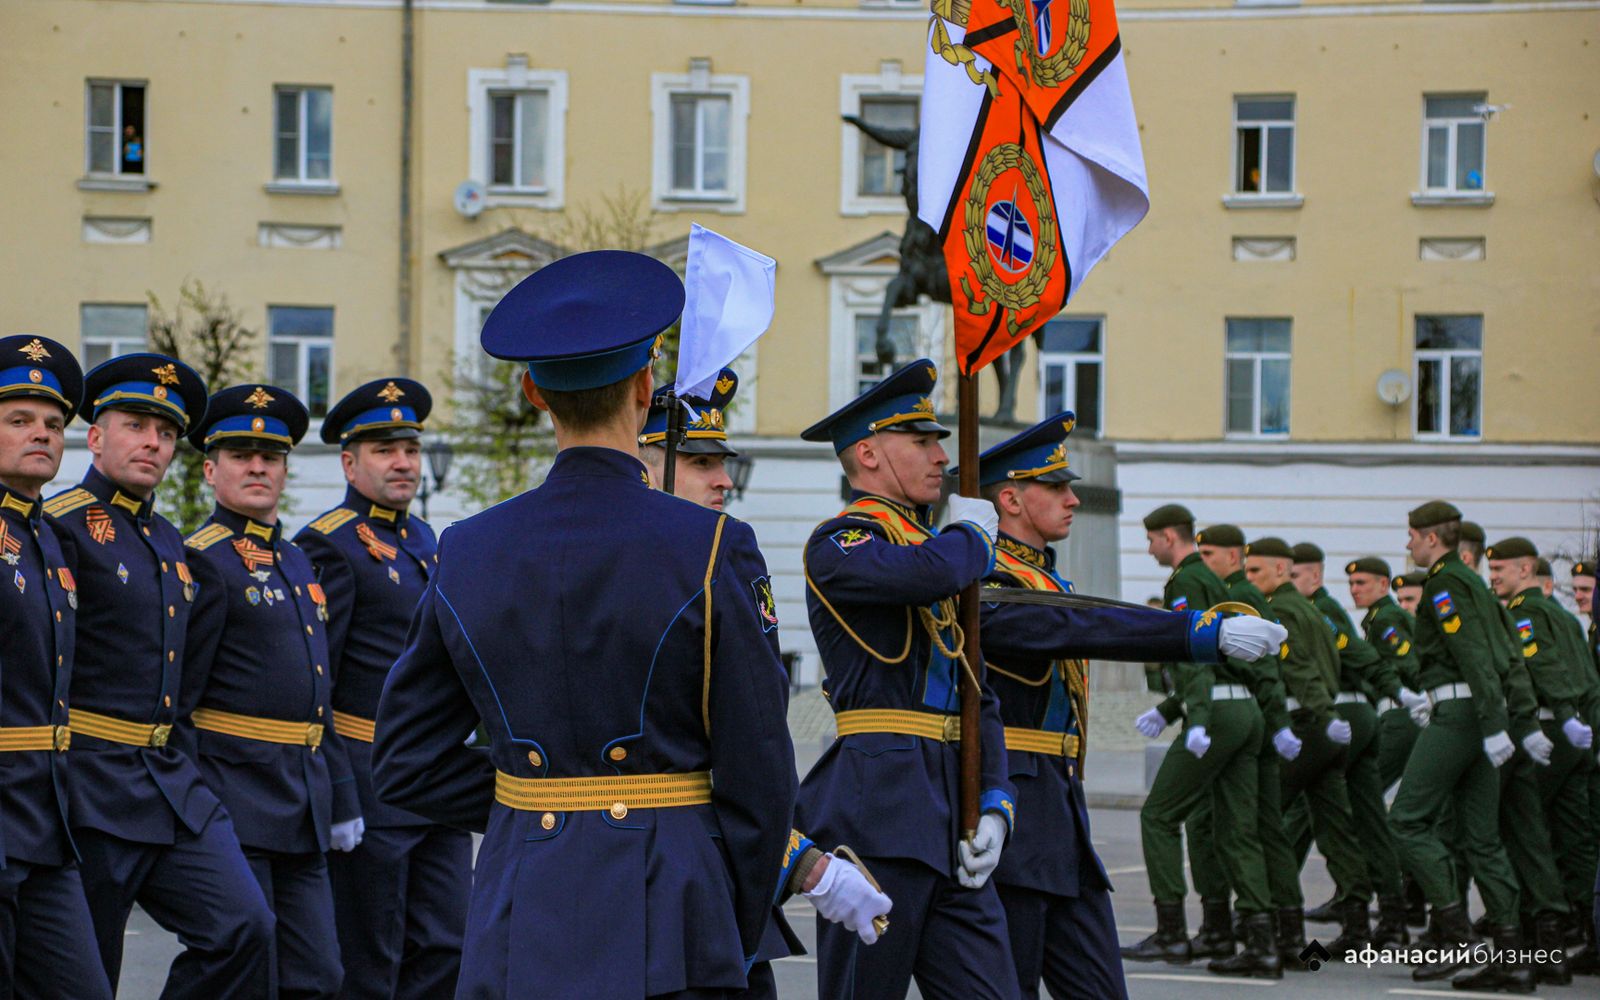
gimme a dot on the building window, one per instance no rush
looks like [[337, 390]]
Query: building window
[[1452, 143], [518, 134], [700, 139], [1449, 376], [1071, 362], [304, 135], [871, 172], [881, 167], [1263, 129], [700, 127], [300, 353], [110, 330], [904, 333], [1258, 376], [116, 139], [518, 125]]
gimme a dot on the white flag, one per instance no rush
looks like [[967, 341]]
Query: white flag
[[730, 297]]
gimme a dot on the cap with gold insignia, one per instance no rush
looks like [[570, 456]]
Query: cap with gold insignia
[[1270, 546], [40, 367], [1432, 514], [252, 417], [1170, 515], [1543, 568], [385, 409], [1038, 454], [1472, 531], [1223, 536], [1367, 564], [901, 402], [1515, 547], [1414, 578], [587, 320], [1308, 552], [707, 433], [147, 383], [1583, 567]]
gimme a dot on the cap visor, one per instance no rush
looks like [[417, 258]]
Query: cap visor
[[1058, 476], [704, 446], [920, 427]]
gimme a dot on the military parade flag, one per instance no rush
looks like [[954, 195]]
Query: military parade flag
[[1029, 165], [729, 301]]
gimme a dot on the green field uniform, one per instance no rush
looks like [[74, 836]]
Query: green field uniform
[[1589, 665], [1462, 652], [1310, 665], [1389, 629]]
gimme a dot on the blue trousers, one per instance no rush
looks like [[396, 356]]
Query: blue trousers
[[46, 937], [400, 904], [305, 946], [952, 940], [1068, 941], [200, 889]]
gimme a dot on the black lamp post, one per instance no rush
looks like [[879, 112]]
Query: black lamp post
[[738, 468], [439, 454]]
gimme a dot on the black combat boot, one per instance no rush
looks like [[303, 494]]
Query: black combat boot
[[1355, 929], [1327, 913], [1170, 942], [1216, 936], [1550, 936], [1586, 960], [1506, 975], [1451, 933], [1291, 937], [1416, 903], [1391, 931], [1259, 959]]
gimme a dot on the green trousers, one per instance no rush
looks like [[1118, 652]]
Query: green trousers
[[1206, 867], [1448, 765], [1227, 776], [1368, 814], [1564, 796], [1397, 734], [1527, 838], [1317, 775], [1283, 873]]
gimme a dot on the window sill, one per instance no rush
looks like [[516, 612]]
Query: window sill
[[868, 204], [318, 189], [1263, 200], [1464, 199], [107, 182], [1448, 438], [675, 201], [519, 198], [1246, 436]]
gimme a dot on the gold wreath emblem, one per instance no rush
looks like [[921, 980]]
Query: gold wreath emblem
[[1026, 292], [1058, 67]]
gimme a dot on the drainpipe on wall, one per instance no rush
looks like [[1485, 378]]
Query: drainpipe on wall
[[402, 346]]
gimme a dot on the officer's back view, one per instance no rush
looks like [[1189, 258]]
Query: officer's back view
[[618, 675]]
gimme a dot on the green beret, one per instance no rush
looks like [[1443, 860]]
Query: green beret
[[1544, 568], [1415, 578], [1269, 546], [1307, 552], [1170, 515], [1472, 531], [1515, 547], [1583, 567], [1368, 564], [1226, 536], [1432, 513]]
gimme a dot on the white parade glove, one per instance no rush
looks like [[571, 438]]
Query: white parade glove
[[844, 896], [1150, 723], [1418, 705], [1286, 743], [981, 854], [1250, 638], [1578, 734], [1339, 732], [346, 836], [979, 512], [1499, 748], [1196, 741], [1538, 745]]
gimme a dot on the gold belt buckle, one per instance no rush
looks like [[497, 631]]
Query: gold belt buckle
[[313, 735], [952, 729], [158, 738]]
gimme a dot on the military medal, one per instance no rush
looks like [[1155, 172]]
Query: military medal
[[10, 548], [376, 548], [188, 582], [100, 527], [321, 599], [69, 585]]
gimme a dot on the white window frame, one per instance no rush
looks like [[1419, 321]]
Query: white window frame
[[1452, 122], [302, 376], [1071, 360], [1256, 358], [300, 180], [697, 82], [887, 82], [119, 345], [1263, 126], [116, 171], [516, 77], [1444, 355]]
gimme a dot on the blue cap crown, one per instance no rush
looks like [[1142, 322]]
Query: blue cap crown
[[1038, 454], [39, 367], [147, 383], [254, 417], [901, 402], [383, 409]]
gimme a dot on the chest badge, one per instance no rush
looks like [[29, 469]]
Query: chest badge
[[188, 582], [122, 573], [266, 592], [394, 575], [100, 527], [253, 595], [69, 585], [320, 599], [21, 582], [10, 547]]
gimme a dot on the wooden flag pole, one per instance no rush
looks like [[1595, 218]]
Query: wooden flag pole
[[971, 743]]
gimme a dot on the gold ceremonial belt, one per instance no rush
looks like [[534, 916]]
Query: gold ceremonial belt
[[134, 734], [615, 794], [944, 728], [354, 726], [1042, 741], [300, 734], [35, 738]]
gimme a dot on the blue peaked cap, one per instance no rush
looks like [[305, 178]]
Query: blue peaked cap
[[147, 383], [1038, 454], [252, 417], [42, 368], [384, 409], [707, 434], [901, 402]]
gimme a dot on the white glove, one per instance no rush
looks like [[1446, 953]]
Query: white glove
[[1499, 748], [1339, 732], [1538, 745], [1418, 705], [844, 896], [1150, 723], [1578, 734], [981, 854], [1250, 638], [1286, 743], [1196, 741], [346, 836], [979, 512]]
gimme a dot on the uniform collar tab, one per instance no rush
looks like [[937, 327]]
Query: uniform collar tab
[[358, 501], [13, 501], [107, 491], [243, 524]]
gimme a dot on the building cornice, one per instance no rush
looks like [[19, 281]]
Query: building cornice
[[1356, 453]]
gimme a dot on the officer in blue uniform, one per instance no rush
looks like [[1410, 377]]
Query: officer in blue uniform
[[638, 788], [881, 587], [400, 881], [255, 699], [147, 828], [46, 936], [700, 472], [1056, 893]]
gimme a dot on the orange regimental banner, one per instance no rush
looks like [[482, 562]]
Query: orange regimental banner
[[1051, 49]]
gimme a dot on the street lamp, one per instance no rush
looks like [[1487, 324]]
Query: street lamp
[[439, 454], [738, 468]]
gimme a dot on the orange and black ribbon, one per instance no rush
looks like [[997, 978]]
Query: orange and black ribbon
[[255, 557], [9, 546], [378, 549], [100, 527]]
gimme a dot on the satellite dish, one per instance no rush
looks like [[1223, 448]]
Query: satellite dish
[[469, 199], [1394, 387], [1597, 163]]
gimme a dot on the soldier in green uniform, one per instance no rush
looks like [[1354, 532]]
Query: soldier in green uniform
[[1472, 543], [1408, 591], [1215, 757], [1310, 664], [1586, 961], [1222, 550], [1462, 651]]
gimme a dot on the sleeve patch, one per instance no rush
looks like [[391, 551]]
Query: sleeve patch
[[1405, 647], [766, 604], [1391, 635], [1442, 605], [330, 522], [1525, 631], [1451, 625], [1180, 603], [851, 538]]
